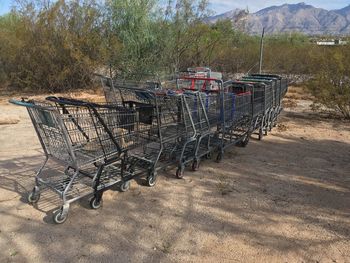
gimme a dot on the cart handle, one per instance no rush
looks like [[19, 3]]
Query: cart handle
[[244, 93], [75, 102], [24, 103], [21, 103], [68, 101], [200, 78]]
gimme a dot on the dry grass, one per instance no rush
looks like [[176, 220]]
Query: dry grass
[[282, 127], [298, 93], [5, 120], [289, 103], [94, 94]]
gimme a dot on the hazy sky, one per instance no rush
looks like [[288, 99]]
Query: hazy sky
[[220, 6]]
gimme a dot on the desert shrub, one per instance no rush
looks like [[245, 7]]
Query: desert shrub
[[51, 49], [331, 83], [55, 45]]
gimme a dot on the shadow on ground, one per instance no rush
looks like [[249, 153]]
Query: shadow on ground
[[282, 197]]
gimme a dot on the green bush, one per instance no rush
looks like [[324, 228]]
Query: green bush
[[51, 49], [52, 46], [331, 84]]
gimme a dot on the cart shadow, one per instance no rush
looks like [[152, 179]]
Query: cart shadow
[[220, 201]]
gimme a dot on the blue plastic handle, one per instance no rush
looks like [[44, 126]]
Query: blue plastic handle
[[22, 103]]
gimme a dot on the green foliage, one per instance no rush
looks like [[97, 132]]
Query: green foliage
[[133, 23], [52, 46], [331, 84], [51, 49]]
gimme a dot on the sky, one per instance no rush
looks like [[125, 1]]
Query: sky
[[221, 6], [5, 6]]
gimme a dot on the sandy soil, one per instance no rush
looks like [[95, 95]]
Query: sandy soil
[[283, 199]]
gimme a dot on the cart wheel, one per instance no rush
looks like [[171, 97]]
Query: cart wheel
[[245, 141], [261, 135], [208, 156], [33, 197], [125, 186], [58, 216], [180, 172], [219, 157], [95, 203], [131, 170], [151, 179], [195, 165]]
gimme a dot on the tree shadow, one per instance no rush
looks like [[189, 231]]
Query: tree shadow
[[281, 197]]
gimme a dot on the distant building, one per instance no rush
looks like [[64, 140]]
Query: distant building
[[332, 42]]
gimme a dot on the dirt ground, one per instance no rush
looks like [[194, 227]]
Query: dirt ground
[[283, 199]]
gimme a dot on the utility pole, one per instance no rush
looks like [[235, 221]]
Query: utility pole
[[261, 50]]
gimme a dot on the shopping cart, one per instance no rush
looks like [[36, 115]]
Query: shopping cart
[[283, 83], [89, 142], [200, 145], [167, 131], [261, 99], [281, 86], [273, 85], [229, 114]]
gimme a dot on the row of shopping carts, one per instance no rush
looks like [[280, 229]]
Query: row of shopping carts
[[143, 127]]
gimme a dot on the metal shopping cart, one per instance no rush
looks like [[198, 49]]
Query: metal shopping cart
[[229, 114], [168, 132], [279, 87], [89, 141], [261, 99], [200, 143], [272, 84], [283, 84]]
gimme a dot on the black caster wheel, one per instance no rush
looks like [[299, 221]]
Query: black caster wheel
[[125, 186], [151, 179], [131, 170], [33, 197], [180, 172], [207, 156], [195, 165], [59, 217], [244, 142], [265, 133], [96, 203], [219, 157]]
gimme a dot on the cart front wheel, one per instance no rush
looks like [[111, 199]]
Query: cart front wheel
[[265, 131], [151, 179], [180, 172], [96, 203], [261, 135], [219, 157], [125, 186], [59, 217], [33, 197], [195, 165], [244, 142]]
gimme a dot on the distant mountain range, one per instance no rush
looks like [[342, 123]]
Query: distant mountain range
[[290, 18]]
